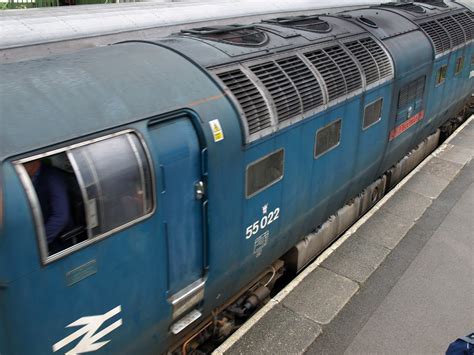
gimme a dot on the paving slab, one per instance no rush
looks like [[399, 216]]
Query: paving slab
[[357, 258], [442, 168], [426, 184], [456, 154], [280, 331], [385, 228], [407, 204], [464, 140], [321, 296]]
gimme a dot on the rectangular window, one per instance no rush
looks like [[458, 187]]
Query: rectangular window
[[441, 75], [264, 172], [373, 113], [327, 138], [87, 191], [459, 65]]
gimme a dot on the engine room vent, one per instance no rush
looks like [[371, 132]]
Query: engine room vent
[[306, 83], [281, 89], [454, 29], [367, 22], [450, 31], [373, 59], [250, 100], [437, 3], [306, 23], [338, 70], [405, 6], [232, 34], [466, 23]]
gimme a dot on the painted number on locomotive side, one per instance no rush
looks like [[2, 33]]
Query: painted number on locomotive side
[[262, 223]]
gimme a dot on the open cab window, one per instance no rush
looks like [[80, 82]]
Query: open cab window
[[87, 191]]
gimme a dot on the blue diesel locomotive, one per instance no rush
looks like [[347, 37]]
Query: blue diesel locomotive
[[196, 169]]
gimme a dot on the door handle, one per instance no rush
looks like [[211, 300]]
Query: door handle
[[200, 190]]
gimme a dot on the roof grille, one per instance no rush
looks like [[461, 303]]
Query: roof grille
[[466, 23], [303, 22], [455, 31], [241, 35], [338, 70], [250, 100], [373, 59], [438, 35], [306, 83], [405, 6], [281, 89]]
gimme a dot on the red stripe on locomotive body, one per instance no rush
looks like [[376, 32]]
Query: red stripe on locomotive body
[[394, 133]]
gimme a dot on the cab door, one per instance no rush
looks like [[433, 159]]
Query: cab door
[[181, 198]]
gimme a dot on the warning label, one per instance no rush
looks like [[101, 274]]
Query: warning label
[[216, 129]]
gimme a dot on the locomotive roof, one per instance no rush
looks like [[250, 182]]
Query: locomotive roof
[[89, 26], [56, 99]]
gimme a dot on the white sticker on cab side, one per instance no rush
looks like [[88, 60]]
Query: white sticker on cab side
[[216, 129], [263, 222]]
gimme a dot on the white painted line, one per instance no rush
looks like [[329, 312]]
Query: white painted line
[[311, 267]]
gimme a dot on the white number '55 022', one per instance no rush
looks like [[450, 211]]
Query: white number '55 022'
[[265, 221]]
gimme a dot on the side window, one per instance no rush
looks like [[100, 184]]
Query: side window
[[372, 113], [459, 65], [88, 191], [264, 172], [327, 138], [441, 75]]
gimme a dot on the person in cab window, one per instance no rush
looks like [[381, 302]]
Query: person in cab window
[[52, 192]]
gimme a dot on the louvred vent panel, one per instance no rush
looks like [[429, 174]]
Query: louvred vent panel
[[375, 63], [306, 83], [281, 89], [249, 98], [340, 73]]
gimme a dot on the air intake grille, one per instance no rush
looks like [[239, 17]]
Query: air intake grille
[[281, 89], [449, 31], [438, 35], [338, 70], [466, 23], [249, 98], [455, 31], [375, 62], [308, 87]]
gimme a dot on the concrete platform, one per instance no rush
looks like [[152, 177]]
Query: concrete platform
[[401, 280]]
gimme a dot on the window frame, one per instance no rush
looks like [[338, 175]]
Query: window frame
[[35, 204], [316, 156], [364, 128], [438, 73], [256, 162], [458, 70]]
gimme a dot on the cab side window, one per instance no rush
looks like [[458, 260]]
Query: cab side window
[[441, 75], [459, 65], [88, 191]]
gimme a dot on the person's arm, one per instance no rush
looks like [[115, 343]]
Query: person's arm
[[59, 204]]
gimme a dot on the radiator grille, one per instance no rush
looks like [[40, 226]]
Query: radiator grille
[[439, 36], [374, 61], [450, 31], [455, 31], [466, 23], [338, 70], [281, 89], [304, 80], [250, 100]]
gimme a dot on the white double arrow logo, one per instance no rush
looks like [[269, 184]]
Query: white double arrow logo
[[90, 341]]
